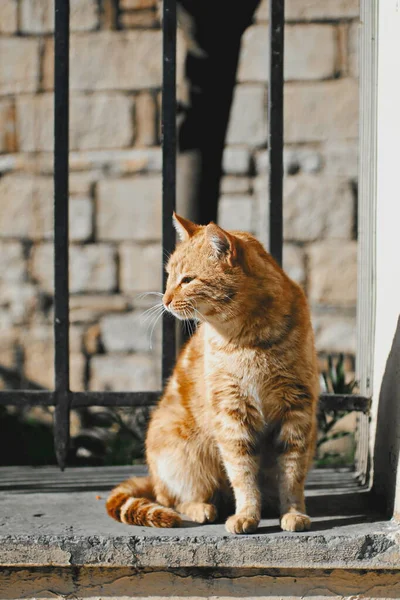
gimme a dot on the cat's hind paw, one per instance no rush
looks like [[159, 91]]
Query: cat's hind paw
[[295, 522]]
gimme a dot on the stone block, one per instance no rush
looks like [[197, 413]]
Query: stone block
[[42, 266], [19, 65], [297, 10], [319, 10], [248, 120], [8, 162], [295, 159], [140, 268], [261, 161], [262, 12], [89, 308], [132, 332], [141, 19], [5, 323], [262, 209], [81, 218], [303, 159], [317, 207], [124, 373], [236, 212], [9, 348], [82, 183], [236, 161], [7, 127], [8, 16], [129, 209], [321, 110], [333, 273], [77, 365], [92, 268], [18, 301], [235, 185], [32, 164], [38, 344], [146, 120], [37, 16], [294, 263], [137, 4], [340, 158], [254, 55], [334, 333], [92, 339], [118, 162], [100, 121], [12, 262], [26, 208], [310, 53], [353, 49], [100, 61]]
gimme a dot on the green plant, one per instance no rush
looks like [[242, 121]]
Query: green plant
[[335, 377], [334, 380]]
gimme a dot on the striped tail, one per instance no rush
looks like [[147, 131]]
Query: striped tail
[[132, 502]]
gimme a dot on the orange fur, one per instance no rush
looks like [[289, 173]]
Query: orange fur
[[238, 414]]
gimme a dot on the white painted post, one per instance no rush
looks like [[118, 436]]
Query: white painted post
[[385, 432]]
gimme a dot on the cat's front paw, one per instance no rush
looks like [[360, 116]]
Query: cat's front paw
[[295, 522], [199, 512], [241, 524]]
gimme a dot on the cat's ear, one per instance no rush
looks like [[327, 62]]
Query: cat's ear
[[185, 229], [223, 243]]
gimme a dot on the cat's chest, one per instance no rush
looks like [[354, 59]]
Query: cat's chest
[[248, 370]]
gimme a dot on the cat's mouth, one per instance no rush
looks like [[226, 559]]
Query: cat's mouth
[[183, 314]]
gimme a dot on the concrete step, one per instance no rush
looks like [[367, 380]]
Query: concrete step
[[58, 519]]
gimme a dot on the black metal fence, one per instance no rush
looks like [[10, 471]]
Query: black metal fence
[[62, 398]]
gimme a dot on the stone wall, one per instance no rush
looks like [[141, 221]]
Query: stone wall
[[115, 180]]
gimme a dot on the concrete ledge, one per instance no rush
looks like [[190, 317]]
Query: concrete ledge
[[70, 527]]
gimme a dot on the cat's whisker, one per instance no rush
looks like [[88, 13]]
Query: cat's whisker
[[152, 308], [154, 324], [149, 328], [189, 323], [144, 294], [150, 312], [153, 318]]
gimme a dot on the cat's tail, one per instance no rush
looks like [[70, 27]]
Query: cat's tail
[[133, 502]]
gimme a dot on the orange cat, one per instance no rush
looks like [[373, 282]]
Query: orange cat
[[239, 412]]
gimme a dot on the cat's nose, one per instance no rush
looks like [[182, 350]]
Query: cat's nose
[[167, 299]]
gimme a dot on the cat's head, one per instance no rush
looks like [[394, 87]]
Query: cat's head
[[208, 270]]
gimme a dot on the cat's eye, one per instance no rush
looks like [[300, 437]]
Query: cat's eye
[[186, 279]]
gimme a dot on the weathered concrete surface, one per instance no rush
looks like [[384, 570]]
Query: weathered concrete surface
[[127, 583], [70, 527]]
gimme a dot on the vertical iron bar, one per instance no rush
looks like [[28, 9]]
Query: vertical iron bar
[[169, 166], [61, 291], [275, 121]]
